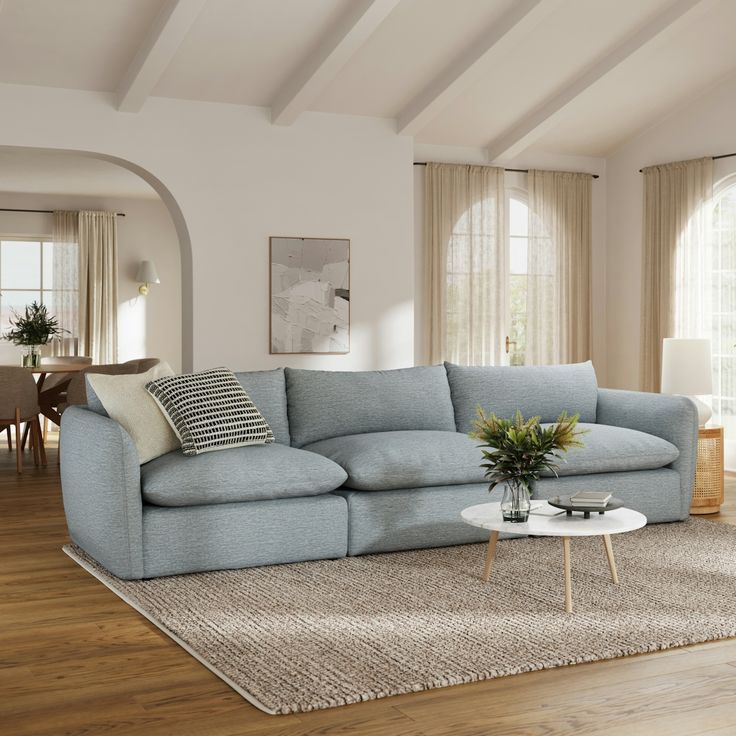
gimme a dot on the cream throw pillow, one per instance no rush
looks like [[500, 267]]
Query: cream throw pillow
[[127, 402]]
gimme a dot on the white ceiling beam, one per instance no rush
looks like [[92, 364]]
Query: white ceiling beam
[[533, 125], [156, 52], [468, 68], [354, 29]]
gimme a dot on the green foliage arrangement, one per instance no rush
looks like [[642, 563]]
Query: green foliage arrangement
[[519, 449], [34, 327]]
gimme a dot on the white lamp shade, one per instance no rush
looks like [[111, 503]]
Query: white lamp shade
[[147, 273], [686, 366]]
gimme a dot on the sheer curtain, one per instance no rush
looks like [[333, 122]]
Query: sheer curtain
[[85, 283], [677, 259], [65, 284], [558, 327], [467, 269]]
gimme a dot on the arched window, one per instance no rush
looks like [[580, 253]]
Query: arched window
[[724, 302], [487, 289]]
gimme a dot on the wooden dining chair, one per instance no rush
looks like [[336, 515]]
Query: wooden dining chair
[[19, 405]]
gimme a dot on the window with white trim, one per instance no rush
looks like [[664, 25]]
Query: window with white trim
[[27, 275]]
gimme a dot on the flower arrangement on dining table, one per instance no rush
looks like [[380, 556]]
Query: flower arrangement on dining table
[[32, 329]]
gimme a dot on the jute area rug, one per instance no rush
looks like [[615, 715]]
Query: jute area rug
[[298, 637]]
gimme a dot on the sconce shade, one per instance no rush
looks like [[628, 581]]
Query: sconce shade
[[147, 273], [686, 366]]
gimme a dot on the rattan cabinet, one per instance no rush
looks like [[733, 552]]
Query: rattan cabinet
[[708, 490]]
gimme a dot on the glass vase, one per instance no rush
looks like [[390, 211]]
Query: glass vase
[[516, 501], [31, 356]]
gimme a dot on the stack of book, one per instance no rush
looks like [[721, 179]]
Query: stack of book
[[591, 499]]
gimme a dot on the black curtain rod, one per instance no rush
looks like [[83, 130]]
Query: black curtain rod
[[715, 158], [518, 171], [43, 212]]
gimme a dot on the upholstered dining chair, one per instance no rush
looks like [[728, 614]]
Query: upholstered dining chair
[[76, 393], [18, 405], [53, 391]]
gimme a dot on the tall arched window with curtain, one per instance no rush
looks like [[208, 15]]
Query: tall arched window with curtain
[[723, 302], [467, 263]]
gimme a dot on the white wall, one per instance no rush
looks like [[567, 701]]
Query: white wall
[[454, 154], [145, 325], [237, 179], [705, 127]]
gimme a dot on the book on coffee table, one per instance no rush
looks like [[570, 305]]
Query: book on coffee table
[[590, 498]]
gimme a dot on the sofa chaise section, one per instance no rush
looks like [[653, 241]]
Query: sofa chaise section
[[411, 497]]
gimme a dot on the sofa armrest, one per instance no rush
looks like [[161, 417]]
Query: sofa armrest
[[673, 418], [100, 483]]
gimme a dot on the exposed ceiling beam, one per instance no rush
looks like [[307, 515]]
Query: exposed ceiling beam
[[468, 68], [533, 125], [354, 29], [156, 52]]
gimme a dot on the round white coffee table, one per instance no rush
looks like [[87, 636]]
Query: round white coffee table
[[488, 516]]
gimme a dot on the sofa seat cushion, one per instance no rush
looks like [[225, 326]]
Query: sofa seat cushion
[[251, 473], [383, 461], [609, 449]]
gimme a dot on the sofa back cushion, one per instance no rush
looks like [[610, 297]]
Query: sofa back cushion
[[324, 404], [267, 390], [544, 390]]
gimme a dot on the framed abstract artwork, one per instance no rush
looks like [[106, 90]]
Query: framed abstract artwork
[[310, 295]]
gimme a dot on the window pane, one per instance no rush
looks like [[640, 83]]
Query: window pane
[[519, 218], [20, 265], [14, 300], [48, 266], [518, 255]]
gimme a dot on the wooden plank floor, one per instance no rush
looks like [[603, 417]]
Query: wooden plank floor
[[75, 659]]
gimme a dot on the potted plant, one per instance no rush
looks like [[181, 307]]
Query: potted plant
[[518, 451], [31, 330]]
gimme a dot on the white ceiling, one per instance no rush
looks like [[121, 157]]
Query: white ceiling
[[575, 77], [26, 171]]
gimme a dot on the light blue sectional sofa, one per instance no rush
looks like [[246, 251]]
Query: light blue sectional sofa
[[363, 462]]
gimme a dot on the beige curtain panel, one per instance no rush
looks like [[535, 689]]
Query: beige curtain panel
[[466, 263], [558, 326], [676, 259], [98, 286]]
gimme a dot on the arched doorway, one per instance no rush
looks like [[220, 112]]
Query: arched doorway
[[32, 163]]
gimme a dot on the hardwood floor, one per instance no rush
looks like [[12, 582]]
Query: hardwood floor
[[75, 659]]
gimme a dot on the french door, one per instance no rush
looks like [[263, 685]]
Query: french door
[[516, 312]]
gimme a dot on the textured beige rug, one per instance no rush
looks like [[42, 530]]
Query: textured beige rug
[[313, 635]]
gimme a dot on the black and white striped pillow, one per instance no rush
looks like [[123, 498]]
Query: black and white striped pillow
[[210, 411]]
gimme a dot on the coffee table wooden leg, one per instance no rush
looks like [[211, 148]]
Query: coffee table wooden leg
[[611, 560], [490, 555], [568, 577]]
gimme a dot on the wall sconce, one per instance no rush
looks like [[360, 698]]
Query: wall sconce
[[146, 276]]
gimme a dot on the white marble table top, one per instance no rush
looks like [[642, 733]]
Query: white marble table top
[[488, 516]]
